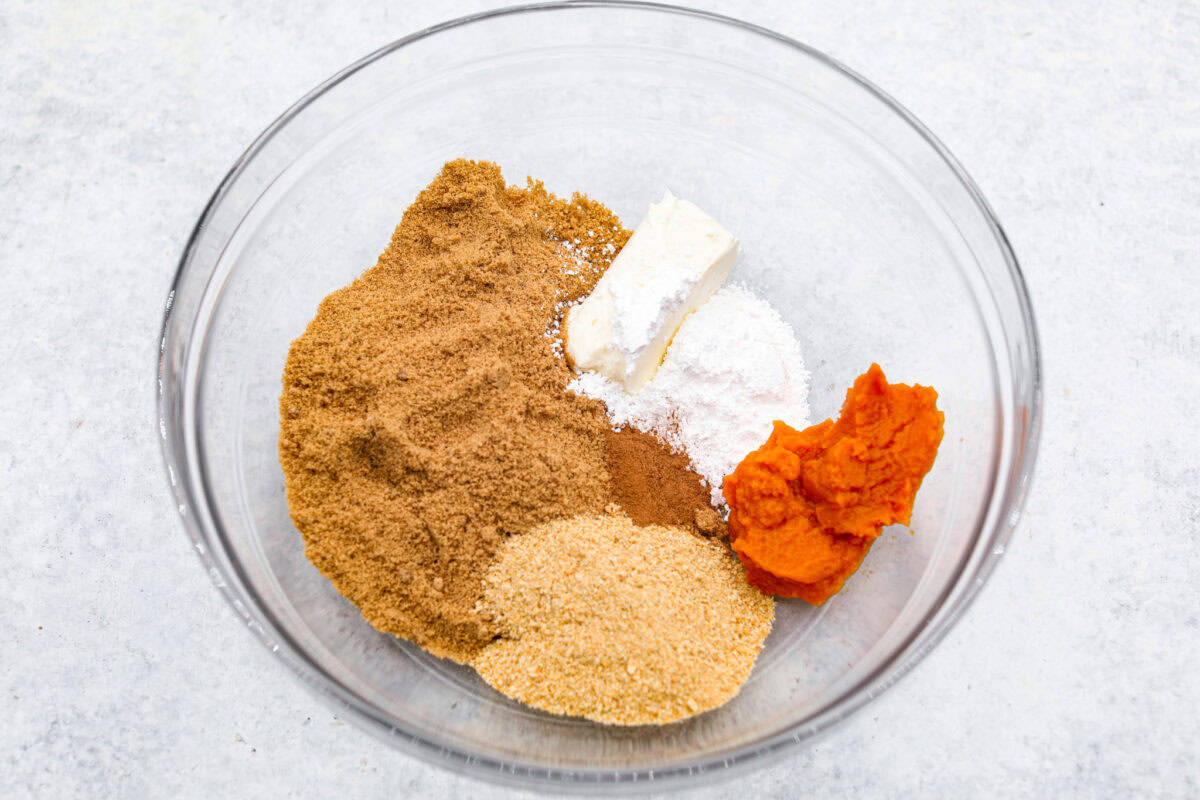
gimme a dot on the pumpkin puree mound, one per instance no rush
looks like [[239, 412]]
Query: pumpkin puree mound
[[806, 506]]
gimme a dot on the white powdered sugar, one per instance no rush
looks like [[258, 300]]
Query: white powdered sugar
[[733, 367]]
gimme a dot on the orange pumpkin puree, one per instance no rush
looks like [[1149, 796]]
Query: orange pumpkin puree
[[806, 506]]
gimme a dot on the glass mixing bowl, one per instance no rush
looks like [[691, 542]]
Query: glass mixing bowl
[[855, 222]]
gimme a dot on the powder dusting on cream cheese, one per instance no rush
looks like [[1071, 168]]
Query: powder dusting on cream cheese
[[732, 369], [673, 262]]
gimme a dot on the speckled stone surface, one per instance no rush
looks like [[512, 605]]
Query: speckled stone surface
[[124, 674]]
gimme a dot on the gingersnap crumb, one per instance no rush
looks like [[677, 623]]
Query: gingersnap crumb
[[620, 623]]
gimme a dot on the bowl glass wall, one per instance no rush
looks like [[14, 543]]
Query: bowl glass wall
[[854, 223]]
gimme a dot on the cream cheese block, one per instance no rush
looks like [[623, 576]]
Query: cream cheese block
[[674, 261]]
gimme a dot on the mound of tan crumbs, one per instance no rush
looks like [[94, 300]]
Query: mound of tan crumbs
[[620, 623]]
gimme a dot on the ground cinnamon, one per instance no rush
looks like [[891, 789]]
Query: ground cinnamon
[[423, 415], [656, 486]]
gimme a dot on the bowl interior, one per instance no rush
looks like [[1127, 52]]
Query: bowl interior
[[852, 224]]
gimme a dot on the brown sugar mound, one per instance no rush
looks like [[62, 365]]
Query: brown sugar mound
[[423, 415], [656, 486]]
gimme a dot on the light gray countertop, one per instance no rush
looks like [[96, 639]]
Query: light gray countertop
[[1076, 673]]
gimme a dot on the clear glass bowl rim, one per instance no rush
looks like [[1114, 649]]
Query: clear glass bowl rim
[[179, 444]]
